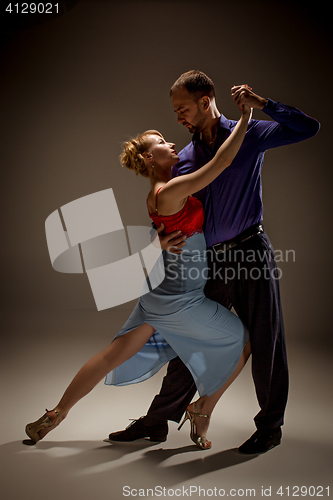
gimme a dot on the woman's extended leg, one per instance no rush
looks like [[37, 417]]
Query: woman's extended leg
[[121, 349], [206, 404]]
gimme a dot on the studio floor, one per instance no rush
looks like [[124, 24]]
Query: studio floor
[[42, 351]]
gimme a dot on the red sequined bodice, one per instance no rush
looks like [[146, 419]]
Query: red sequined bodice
[[188, 220]]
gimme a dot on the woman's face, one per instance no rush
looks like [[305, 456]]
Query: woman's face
[[163, 152]]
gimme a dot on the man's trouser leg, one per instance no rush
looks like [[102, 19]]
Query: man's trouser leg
[[245, 278], [250, 284], [177, 391]]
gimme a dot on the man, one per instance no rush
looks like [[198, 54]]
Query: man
[[243, 271]]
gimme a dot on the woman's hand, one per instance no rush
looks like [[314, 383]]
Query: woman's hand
[[246, 112], [243, 96]]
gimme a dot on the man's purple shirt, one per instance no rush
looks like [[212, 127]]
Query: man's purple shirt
[[233, 201]]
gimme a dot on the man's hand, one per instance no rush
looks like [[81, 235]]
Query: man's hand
[[242, 94], [171, 242]]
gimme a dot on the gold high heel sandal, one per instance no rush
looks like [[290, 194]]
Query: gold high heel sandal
[[43, 422], [200, 441]]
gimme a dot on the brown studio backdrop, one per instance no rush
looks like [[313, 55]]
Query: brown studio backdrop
[[74, 88]]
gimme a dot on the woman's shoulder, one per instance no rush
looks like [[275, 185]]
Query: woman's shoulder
[[152, 199]]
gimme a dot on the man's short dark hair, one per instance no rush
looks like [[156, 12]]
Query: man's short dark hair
[[195, 82]]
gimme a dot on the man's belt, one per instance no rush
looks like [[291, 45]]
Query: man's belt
[[240, 238]]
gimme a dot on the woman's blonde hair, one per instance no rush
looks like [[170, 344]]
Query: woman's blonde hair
[[132, 154]]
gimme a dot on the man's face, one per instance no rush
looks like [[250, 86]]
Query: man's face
[[189, 110]]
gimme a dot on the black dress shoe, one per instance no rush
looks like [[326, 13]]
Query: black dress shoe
[[138, 429], [261, 441]]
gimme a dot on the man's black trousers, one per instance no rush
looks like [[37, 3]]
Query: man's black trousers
[[247, 279]]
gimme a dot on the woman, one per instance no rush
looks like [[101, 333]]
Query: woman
[[209, 339]]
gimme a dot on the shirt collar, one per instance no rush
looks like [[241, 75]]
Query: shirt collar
[[223, 123]]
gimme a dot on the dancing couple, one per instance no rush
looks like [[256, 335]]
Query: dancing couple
[[208, 195]]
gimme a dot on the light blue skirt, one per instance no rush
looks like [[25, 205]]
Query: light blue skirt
[[207, 337]]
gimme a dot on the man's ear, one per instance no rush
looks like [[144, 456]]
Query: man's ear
[[205, 101]]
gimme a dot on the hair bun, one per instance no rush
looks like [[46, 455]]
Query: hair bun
[[132, 154]]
